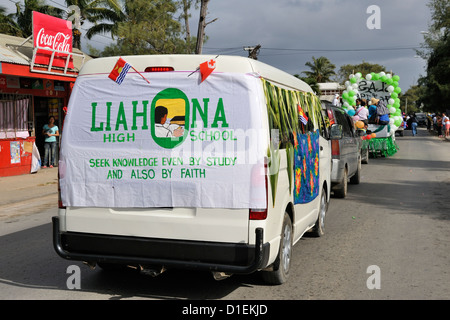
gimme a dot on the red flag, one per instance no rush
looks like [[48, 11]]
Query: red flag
[[206, 68], [119, 71]]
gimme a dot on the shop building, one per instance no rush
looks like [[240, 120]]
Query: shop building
[[30, 92]]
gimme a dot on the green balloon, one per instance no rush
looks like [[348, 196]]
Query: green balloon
[[395, 84], [398, 122], [345, 95], [396, 105], [351, 93], [376, 77], [396, 78], [394, 95], [389, 81], [397, 100], [398, 89], [383, 78], [353, 80]]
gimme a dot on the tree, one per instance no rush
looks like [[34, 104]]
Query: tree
[[364, 67], [410, 100], [24, 14], [105, 14], [186, 6], [148, 27], [311, 82], [321, 69], [436, 49], [201, 38], [8, 25]]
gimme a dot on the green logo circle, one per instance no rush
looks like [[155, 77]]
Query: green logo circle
[[170, 118]]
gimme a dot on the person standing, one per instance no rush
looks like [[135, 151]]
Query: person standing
[[413, 124], [439, 125], [50, 131], [445, 124], [362, 112]]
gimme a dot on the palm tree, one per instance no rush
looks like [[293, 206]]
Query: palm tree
[[24, 14], [104, 14], [321, 69], [8, 25]]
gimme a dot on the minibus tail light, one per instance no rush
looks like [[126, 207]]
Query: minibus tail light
[[158, 69], [258, 214]]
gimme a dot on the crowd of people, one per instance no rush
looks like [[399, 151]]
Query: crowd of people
[[440, 122], [375, 111]]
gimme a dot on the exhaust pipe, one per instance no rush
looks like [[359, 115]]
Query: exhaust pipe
[[152, 271]]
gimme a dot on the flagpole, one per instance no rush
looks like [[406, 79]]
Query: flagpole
[[140, 74], [198, 68]]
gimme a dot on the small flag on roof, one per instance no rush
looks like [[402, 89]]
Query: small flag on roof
[[302, 115], [119, 71], [206, 68]]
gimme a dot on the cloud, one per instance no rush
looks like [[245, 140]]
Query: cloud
[[326, 26]]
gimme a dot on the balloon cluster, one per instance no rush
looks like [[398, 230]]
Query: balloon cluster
[[351, 92], [369, 136], [360, 125]]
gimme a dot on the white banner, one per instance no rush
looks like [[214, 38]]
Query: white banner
[[171, 143], [374, 89]]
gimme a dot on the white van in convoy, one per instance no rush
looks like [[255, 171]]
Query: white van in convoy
[[165, 164]]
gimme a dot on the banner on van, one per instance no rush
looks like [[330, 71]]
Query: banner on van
[[170, 144]]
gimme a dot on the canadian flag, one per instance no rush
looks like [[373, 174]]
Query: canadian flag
[[206, 68]]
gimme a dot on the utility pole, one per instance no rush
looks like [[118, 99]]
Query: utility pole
[[253, 51], [202, 25]]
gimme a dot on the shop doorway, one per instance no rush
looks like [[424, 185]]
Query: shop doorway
[[43, 109]]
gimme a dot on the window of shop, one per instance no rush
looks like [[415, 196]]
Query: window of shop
[[16, 116]]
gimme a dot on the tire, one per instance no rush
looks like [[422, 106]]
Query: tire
[[356, 179], [340, 191], [366, 157], [319, 228], [282, 264]]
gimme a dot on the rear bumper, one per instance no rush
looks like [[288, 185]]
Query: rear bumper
[[200, 255]]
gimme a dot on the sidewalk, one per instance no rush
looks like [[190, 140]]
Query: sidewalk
[[28, 193]]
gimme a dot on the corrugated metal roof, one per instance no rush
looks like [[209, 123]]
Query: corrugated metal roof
[[330, 86], [7, 55]]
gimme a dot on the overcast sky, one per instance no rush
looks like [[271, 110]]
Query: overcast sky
[[325, 26], [291, 32]]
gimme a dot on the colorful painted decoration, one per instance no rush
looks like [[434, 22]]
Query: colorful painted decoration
[[306, 167]]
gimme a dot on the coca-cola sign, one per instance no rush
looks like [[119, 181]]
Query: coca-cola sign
[[55, 34]]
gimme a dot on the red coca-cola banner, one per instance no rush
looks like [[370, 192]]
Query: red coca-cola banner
[[53, 33]]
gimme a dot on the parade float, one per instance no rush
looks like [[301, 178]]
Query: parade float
[[382, 86]]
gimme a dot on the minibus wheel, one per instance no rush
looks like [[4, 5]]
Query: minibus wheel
[[319, 228], [282, 264]]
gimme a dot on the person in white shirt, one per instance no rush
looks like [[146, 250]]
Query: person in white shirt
[[446, 125], [163, 129], [362, 112], [336, 101]]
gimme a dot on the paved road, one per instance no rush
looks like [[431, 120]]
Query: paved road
[[397, 219]]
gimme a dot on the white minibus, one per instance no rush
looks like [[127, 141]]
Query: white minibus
[[217, 163]]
